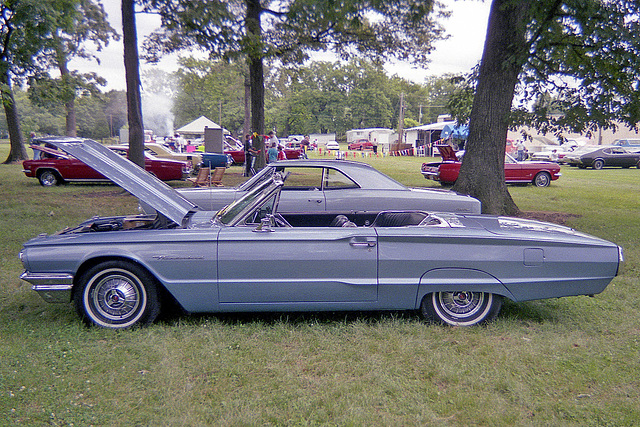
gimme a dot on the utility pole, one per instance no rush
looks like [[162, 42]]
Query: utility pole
[[401, 120]]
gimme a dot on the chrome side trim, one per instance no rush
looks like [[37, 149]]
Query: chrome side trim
[[38, 279]]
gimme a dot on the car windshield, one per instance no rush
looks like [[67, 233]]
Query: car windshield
[[261, 176], [261, 195]]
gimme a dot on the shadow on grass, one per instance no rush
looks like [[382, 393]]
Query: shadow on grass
[[292, 318], [528, 312]]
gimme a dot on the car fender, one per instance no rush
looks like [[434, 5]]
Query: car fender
[[48, 167], [459, 279], [99, 256]]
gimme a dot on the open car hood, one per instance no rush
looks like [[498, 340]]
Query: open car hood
[[127, 175], [447, 152]]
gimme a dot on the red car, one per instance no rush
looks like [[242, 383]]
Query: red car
[[236, 155], [539, 174], [291, 153], [53, 167], [361, 144]]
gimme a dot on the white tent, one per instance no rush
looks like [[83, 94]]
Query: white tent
[[195, 129]]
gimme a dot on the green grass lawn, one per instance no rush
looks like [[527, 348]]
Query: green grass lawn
[[570, 361]]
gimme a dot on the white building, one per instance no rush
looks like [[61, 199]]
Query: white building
[[381, 137], [425, 135]]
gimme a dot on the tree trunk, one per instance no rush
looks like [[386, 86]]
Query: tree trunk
[[18, 151], [256, 77], [70, 105], [505, 53], [246, 128], [131, 66]]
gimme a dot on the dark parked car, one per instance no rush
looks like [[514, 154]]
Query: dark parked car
[[446, 172], [600, 157], [54, 167], [454, 269], [316, 186]]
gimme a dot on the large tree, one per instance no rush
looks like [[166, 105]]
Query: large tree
[[25, 25], [132, 71], [81, 23], [583, 54], [287, 31]]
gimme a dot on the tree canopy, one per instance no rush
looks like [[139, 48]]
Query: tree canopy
[[37, 35], [287, 31]]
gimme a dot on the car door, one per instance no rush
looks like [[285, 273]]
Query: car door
[[317, 265], [343, 194], [74, 169], [302, 190], [618, 157], [513, 170]]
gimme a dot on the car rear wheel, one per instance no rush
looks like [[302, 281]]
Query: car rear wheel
[[598, 164], [49, 178], [117, 295], [542, 179], [461, 308]]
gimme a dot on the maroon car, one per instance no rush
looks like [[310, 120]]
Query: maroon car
[[53, 167], [539, 174]]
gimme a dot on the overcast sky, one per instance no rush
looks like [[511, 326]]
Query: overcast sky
[[467, 27]]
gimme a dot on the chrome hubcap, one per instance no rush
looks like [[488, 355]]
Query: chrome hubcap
[[458, 304], [116, 297]]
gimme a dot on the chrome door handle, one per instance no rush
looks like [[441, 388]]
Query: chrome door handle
[[360, 244]]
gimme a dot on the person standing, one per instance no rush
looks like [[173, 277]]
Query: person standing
[[521, 150], [305, 143], [281, 154], [272, 154], [273, 139], [180, 142], [249, 155]]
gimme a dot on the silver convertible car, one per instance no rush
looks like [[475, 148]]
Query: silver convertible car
[[334, 186], [247, 257]]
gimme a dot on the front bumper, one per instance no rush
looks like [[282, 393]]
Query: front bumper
[[52, 287], [431, 174]]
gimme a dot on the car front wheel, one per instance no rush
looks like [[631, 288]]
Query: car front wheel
[[461, 308], [117, 295], [598, 164], [542, 179], [49, 178]]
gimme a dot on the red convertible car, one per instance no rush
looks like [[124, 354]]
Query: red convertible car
[[53, 167], [539, 174]]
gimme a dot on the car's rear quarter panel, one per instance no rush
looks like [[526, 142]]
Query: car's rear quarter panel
[[520, 269]]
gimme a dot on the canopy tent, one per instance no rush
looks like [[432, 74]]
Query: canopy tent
[[195, 129], [455, 132]]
